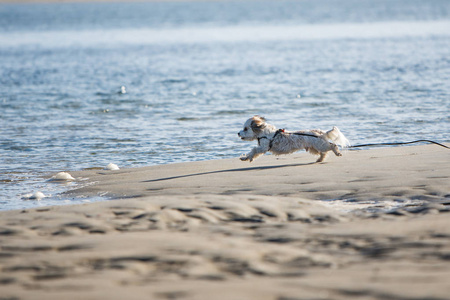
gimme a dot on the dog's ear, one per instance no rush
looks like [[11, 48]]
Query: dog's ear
[[258, 123], [261, 118]]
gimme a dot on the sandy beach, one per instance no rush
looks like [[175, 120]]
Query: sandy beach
[[372, 224]]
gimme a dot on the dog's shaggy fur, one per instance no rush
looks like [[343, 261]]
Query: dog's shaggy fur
[[316, 141]]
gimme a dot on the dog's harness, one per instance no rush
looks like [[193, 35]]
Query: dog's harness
[[279, 131], [271, 141]]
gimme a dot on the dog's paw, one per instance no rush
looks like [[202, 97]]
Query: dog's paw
[[246, 158]]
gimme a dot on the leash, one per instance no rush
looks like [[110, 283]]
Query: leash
[[353, 146], [376, 144], [400, 143]]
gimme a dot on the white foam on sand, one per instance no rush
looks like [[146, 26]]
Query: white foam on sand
[[112, 167], [34, 196], [63, 176], [374, 206]]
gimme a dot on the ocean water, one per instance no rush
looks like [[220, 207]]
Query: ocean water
[[138, 84]]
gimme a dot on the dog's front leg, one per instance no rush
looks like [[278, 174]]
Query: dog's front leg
[[335, 149], [254, 154]]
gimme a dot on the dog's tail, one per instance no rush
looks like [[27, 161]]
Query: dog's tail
[[336, 136]]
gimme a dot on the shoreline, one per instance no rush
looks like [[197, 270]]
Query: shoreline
[[387, 172], [226, 229]]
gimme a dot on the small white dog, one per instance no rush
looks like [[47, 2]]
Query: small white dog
[[279, 141]]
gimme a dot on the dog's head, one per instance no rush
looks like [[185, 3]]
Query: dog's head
[[253, 128]]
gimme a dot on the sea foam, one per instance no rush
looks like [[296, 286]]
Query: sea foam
[[63, 176], [112, 166], [34, 196]]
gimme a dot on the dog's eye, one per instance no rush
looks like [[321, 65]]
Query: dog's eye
[[245, 129]]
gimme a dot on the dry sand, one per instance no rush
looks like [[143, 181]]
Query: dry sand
[[226, 229]]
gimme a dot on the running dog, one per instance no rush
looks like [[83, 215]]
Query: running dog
[[279, 141]]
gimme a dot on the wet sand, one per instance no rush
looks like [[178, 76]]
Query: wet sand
[[226, 229]]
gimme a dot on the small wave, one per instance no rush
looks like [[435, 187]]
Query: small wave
[[92, 169], [183, 119], [231, 112], [173, 81]]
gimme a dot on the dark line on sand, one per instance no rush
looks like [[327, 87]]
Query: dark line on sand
[[226, 171]]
